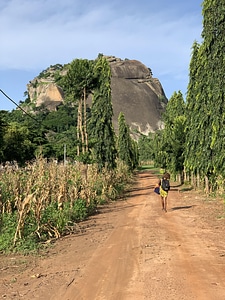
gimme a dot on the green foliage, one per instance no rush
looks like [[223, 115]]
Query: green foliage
[[161, 153], [56, 221], [78, 77], [53, 217], [50, 72], [174, 108], [79, 210], [62, 119], [145, 148], [205, 132], [2, 132], [168, 144], [53, 221], [50, 131], [126, 148], [17, 145], [7, 231]]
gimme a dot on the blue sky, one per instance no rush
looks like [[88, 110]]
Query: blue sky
[[38, 33]]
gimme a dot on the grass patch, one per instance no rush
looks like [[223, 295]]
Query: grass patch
[[156, 171]]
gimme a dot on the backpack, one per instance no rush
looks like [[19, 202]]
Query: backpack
[[165, 185]]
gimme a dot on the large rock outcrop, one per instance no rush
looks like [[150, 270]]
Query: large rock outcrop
[[137, 94], [43, 91], [134, 92]]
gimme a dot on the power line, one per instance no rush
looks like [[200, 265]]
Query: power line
[[18, 105]]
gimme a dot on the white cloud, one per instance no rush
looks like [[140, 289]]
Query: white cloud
[[39, 33]]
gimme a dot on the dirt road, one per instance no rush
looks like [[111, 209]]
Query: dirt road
[[131, 250]]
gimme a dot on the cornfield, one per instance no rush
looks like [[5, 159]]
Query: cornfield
[[46, 199]]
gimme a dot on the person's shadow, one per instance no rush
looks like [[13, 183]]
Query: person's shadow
[[182, 207]]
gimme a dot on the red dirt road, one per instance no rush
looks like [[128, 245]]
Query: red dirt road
[[131, 250]]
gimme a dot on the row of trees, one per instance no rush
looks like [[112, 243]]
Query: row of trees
[[205, 99], [193, 140]]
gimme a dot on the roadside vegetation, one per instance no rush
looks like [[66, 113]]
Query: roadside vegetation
[[43, 200]]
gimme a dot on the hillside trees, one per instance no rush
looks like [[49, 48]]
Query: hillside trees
[[47, 133], [60, 128], [17, 145], [87, 132]]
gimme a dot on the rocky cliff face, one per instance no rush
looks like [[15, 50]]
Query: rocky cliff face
[[44, 91], [137, 94], [134, 92]]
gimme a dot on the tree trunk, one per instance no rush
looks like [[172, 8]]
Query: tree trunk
[[207, 185], [79, 125], [85, 122], [198, 180], [193, 180]]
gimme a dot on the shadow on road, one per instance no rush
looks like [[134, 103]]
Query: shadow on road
[[182, 207]]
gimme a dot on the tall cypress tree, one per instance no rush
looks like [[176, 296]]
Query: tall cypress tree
[[102, 136], [160, 150], [214, 43], [173, 135], [193, 112], [124, 144]]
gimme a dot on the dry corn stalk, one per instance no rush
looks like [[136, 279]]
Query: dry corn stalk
[[23, 210]]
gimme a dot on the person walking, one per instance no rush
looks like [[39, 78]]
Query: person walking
[[164, 184]]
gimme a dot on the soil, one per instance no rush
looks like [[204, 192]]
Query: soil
[[130, 250]]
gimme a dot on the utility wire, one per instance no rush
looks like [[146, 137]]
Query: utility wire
[[18, 106]]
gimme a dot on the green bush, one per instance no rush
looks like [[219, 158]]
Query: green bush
[[7, 231], [80, 210]]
